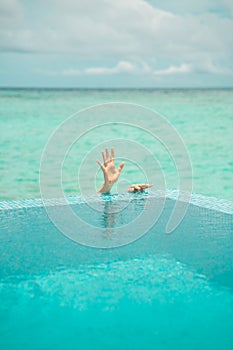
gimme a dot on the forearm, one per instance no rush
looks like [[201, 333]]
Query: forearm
[[105, 188]]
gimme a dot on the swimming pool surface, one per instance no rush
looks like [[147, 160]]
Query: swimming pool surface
[[162, 291]]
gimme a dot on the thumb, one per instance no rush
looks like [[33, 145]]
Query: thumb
[[121, 166]]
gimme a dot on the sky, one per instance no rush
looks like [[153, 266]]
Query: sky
[[116, 43]]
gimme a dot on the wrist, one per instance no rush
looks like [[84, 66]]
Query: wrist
[[105, 188]]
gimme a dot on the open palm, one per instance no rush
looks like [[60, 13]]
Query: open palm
[[111, 174]]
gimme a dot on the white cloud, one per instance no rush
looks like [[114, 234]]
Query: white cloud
[[197, 67], [70, 72], [229, 4], [110, 30], [121, 67], [183, 68], [10, 9], [126, 67], [191, 7]]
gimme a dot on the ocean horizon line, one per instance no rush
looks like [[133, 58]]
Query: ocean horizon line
[[113, 88]]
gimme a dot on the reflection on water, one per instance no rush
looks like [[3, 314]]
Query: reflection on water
[[115, 213]]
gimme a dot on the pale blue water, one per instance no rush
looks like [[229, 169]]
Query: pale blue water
[[203, 119]]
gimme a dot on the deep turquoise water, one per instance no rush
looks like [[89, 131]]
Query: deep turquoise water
[[150, 308], [203, 118]]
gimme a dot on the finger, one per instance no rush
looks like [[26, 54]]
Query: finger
[[121, 166], [107, 154], [112, 154], [104, 157], [137, 188], [130, 189], [100, 164], [145, 186]]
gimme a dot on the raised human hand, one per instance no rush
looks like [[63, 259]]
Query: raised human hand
[[111, 174], [138, 187]]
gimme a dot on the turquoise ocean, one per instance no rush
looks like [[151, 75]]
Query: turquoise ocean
[[202, 118]]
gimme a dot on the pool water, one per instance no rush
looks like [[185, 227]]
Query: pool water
[[163, 291], [155, 302]]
